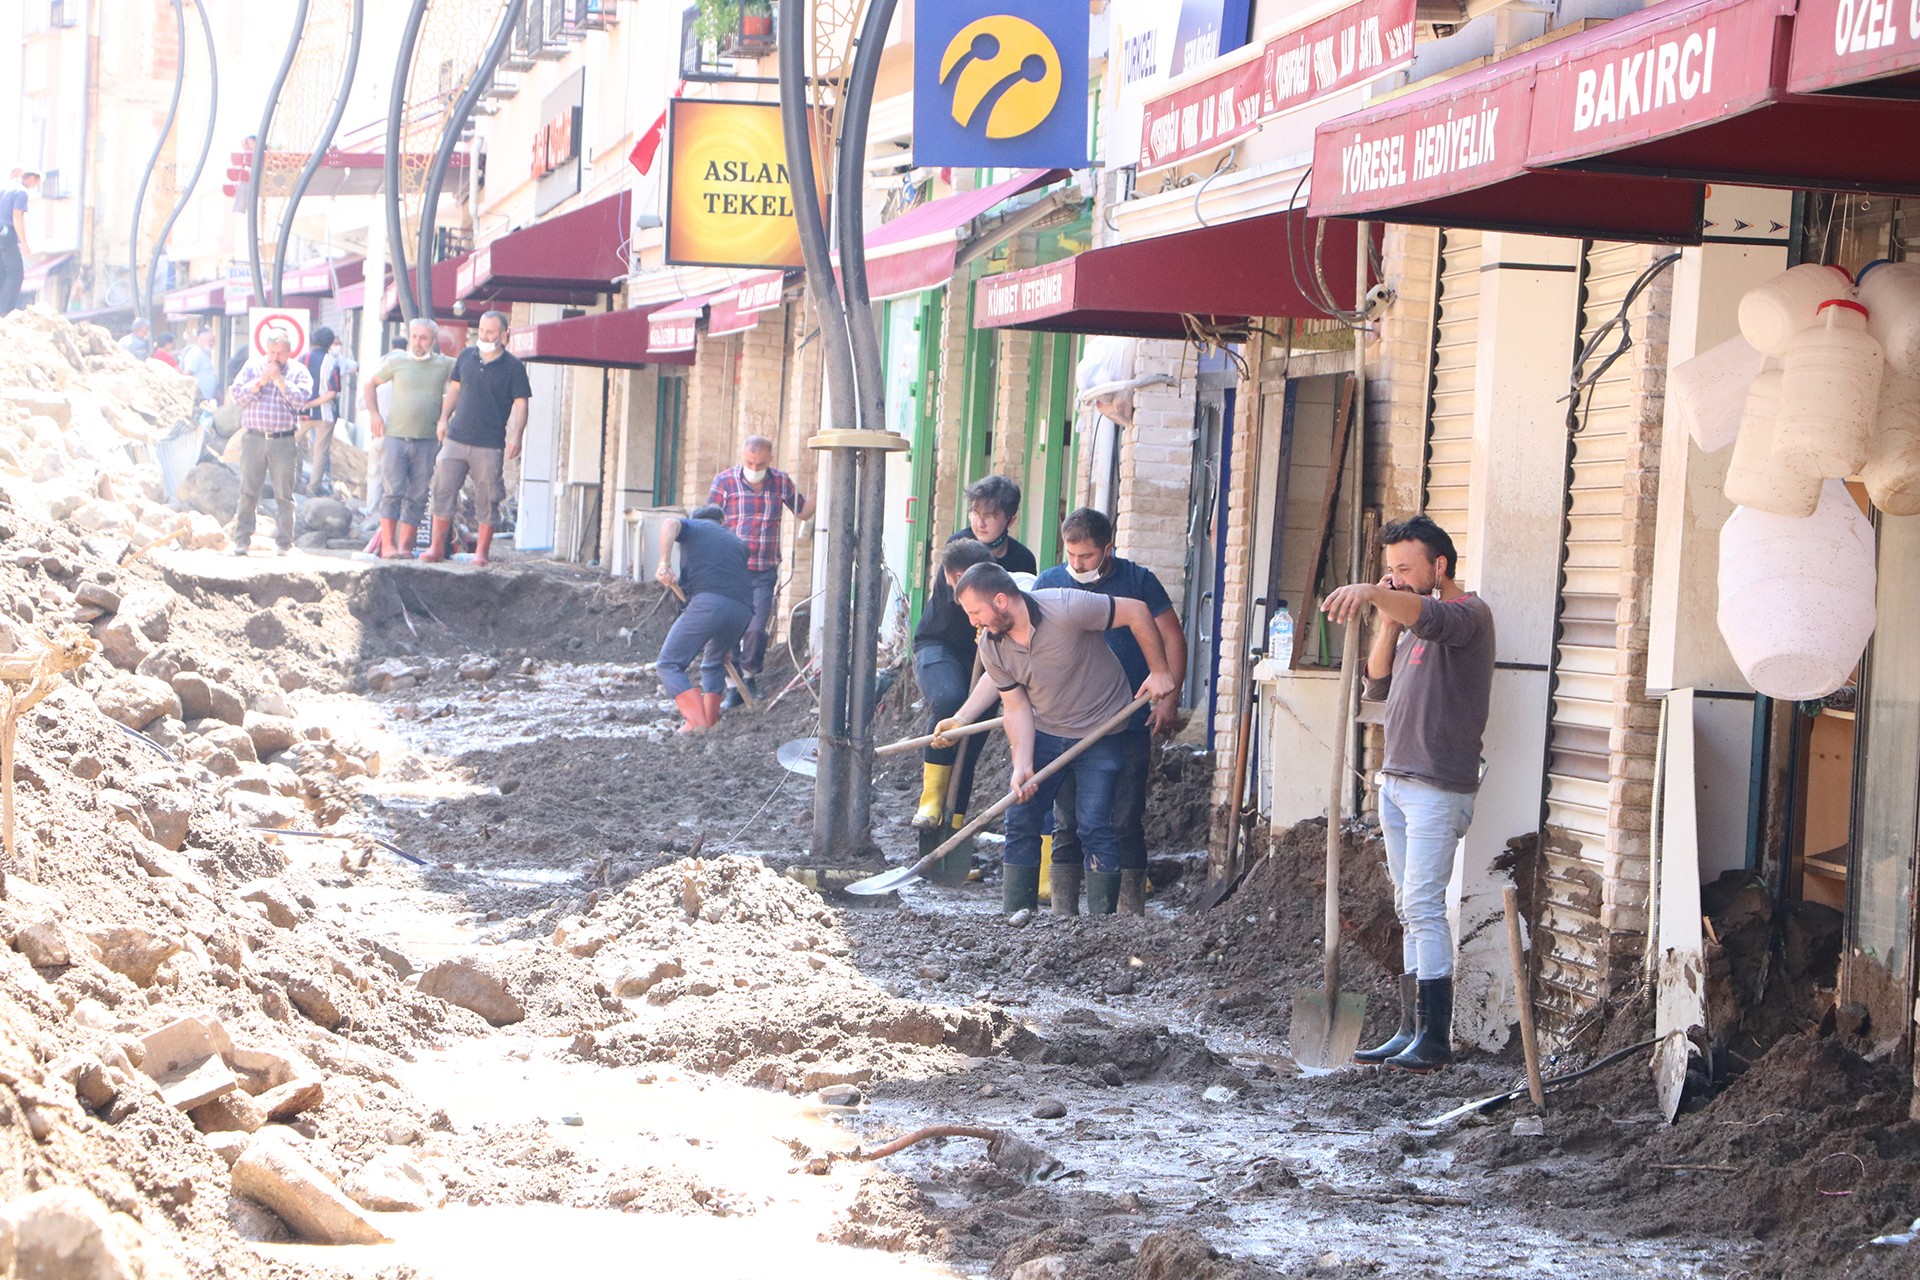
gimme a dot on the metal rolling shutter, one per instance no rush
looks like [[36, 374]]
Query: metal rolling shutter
[[1576, 840], [1456, 342]]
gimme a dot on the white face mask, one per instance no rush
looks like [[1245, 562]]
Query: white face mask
[[1085, 576], [488, 348], [425, 355], [754, 475]]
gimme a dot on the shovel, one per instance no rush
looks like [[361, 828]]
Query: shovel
[[888, 881], [801, 754], [1327, 1023]]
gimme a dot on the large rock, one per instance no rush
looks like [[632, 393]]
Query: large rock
[[327, 516], [393, 1182], [170, 814], [211, 488], [136, 701], [282, 910], [66, 1234], [121, 643], [271, 734], [472, 984], [235, 1111], [45, 944], [293, 1097], [101, 516], [278, 1177], [133, 952], [205, 699], [218, 735], [265, 812], [150, 610]]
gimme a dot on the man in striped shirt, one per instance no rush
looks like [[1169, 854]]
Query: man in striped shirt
[[271, 390], [750, 497]]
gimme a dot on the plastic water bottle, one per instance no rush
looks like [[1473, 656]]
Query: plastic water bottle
[[1280, 633], [1829, 388]]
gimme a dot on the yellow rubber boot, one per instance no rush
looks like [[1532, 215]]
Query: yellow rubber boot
[[1046, 868], [933, 795]]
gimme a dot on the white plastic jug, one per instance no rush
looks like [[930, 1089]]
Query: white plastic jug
[[1891, 293], [1892, 474], [1770, 314], [1757, 476], [1797, 596], [1709, 392], [1829, 386]]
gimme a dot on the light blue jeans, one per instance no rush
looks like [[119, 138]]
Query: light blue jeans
[[1421, 825]]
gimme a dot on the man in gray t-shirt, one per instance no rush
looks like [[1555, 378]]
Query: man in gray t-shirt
[[1046, 658], [1432, 661]]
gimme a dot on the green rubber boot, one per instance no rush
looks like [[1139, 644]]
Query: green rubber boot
[[1103, 892], [1065, 882], [1019, 889]]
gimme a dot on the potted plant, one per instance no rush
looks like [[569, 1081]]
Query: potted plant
[[756, 22], [716, 22]]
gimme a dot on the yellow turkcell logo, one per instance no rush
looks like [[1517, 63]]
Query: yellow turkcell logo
[[1003, 71]]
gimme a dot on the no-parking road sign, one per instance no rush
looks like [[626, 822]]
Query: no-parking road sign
[[265, 322]]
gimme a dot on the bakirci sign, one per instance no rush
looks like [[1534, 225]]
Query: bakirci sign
[[1000, 85]]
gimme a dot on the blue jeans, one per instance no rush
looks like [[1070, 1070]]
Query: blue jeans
[[1422, 825], [709, 626], [753, 645], [1129, 807], [1096, 774], [944, 677]]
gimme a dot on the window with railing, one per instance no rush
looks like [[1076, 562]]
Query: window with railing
[[53, 186]]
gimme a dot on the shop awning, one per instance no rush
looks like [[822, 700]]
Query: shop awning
[[341, 172], [1845, 47], [918, 249], [36, 274], [581, 252], [324, 277], [239, 297], [676, 326], [199, 300], [608, 340], [1614, 132], [1221, 274]]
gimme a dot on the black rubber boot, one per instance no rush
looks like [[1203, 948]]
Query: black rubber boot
[[1133, 891], [1103, 892], [1019, 889], [1063, 884], [1432, 1046], [1409, 997]]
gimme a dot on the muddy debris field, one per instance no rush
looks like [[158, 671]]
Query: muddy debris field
[[371, 920]]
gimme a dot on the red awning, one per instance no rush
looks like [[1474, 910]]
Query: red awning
[[199, 300], [583, 251], [239, 297], [917, 250], [676, 326], [37, 273], [324, 277], [1222, 274], [609, 340], [1856, 47], [1613, 133], [351, 297]]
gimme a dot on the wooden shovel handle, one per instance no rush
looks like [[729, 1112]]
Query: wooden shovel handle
[[733, 674], [926, 739]]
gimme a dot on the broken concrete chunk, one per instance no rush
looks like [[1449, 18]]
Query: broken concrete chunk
[[396, 673], [282, 911], [393, 1182], [472, 984], [187, 1089], [97, 594], [169, 815], [218, 735], [132, 952], [91, 1081], [202, 698], [233, 1111], [292, 1098], [282, 1180], [250, 810], [317, 1001], [136, 701], [229, 1144], [645, 976], [44, 944], [67, 1232]]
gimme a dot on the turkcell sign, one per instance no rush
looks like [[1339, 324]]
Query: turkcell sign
[[1843, 42], [1000, 85], [1422, 151], [1703, 64]]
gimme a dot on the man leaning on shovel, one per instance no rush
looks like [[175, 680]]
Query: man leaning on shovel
[[1045, 654], [1433, 663]]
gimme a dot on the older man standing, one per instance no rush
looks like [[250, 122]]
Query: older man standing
[[411, 429], [271, 391], [483, 416], [751, 495]]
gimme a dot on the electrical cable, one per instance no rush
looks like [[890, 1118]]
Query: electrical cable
[[321, 146], [153, 161], [1578, 381], [206, 147]]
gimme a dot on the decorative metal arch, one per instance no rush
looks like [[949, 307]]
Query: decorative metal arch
[[153, 161], [349, 65], [257, 163], [206, 147]]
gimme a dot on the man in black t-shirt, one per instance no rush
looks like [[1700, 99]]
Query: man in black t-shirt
[[944, 646], [482, 419], [719, 591]]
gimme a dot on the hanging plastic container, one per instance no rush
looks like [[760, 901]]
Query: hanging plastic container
[[1890, 291], [1757, 476], [1797, 596], [1770, 314], [1892, 474], [1829, 388], [1709, 392]]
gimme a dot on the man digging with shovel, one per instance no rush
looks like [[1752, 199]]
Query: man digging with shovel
[[1432, 662], [1046, 655]]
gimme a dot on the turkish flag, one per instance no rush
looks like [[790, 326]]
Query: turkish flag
[[641, 157]]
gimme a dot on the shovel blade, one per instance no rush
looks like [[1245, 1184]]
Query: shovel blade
[[1323, 1037], [885, 882], [800, 756]]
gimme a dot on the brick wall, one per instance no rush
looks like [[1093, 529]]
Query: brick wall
[[1231, 643], [1009, 457], [1156, 468], [709, 444], [1398, 363], [951, 406]]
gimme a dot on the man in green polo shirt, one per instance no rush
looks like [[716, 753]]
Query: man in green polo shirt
[[411, 428]]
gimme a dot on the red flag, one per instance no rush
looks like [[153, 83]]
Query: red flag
[[641, 157]]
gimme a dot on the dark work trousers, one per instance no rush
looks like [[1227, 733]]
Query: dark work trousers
[[13, 271], [1129, 807], [753, 645], [1094, 773], [708, 627], [406, 469], [259, 455], [943, 676]]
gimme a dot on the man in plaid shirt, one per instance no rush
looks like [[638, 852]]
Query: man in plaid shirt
[[271, 391], [751, 495]]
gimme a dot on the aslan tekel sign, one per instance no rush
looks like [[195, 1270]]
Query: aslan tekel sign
[[729, 196]]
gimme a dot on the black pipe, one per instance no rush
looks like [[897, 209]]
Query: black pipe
[[258, 162], [320, 148], [153, 161], [396, 114], [206, 146], [443, 157]]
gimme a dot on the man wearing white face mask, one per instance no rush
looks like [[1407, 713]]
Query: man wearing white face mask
[[751, 495], [1086, 539], [482, 420], [419, 378]]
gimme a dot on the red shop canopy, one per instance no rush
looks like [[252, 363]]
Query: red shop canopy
[[676, 326], [608, 340], [1223, 274], [918, 249], [1614, 133], [581, 252], [198, 300]]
